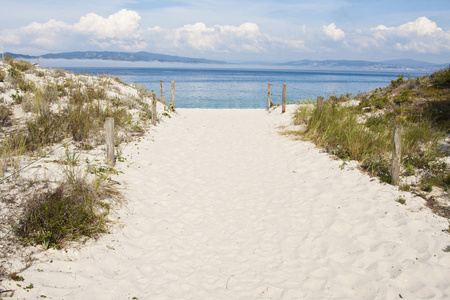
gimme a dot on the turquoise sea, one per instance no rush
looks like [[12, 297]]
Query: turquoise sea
[[245, 88]]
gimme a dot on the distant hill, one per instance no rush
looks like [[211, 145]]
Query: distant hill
[[119, 56], [388, 65], [20, 56], [400, 64], [413, 63]]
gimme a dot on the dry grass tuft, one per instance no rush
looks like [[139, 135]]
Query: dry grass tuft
[[73, 209]]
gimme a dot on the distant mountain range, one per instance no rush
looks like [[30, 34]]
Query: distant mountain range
[[394, 65], [119, 56], [399, 64]]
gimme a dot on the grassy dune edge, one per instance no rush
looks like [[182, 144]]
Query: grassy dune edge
[[56, 185], [361, 128]]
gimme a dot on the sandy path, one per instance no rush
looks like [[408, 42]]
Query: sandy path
[[221, 207]]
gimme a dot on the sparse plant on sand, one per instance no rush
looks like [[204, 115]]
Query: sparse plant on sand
[[72, 209], [401, 200], [71, 157]]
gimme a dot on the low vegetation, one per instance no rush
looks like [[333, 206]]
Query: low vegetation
[[43, 109], [75, 208], [364, 132]]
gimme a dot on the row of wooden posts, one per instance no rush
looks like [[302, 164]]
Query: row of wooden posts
[[109, 122], [269, 100], [397, 140]]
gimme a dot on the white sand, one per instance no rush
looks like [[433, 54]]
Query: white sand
[[222, 207]]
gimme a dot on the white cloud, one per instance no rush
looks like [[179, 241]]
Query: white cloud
[[333, 32], [245, 38], [122, 25], [43, 34], [118, 30], [197, 36], [123, 31], [421, 27], [421, 35]]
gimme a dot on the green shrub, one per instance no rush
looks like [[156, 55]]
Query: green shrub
[[426, 185], [61, 90], [380, 166], [332, 98], [71, 210], [22, 65], [403, 97], [14, 73], [381, 102], [81, 120], [86, 94], [405, 188], [2, 75], [5, 113], [26, 86], [44, 129], [447, 179], [8, 59], [17, 98], [373, 122], [344, 98], [374, 101], [95, 93], [400, 79], [69, 84], [410, 170], [439, 112], [441, 77]]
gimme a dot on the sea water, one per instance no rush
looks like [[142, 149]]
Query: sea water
[[245, 88]]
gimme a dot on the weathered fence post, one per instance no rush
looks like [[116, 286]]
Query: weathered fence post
[[269, 102], [173, 94], [162, 91], [283, 107], [319, 103], [109, 127], [396, 155], [154, 110]]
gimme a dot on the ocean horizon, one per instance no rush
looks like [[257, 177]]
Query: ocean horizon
[[246, 88]]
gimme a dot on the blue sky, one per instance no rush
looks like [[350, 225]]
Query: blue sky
[[231, 30]]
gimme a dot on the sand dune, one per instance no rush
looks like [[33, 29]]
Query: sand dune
[[220, 206]]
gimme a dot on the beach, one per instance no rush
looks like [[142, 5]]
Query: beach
[[220, 205]]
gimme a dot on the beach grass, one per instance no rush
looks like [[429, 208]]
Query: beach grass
[[75, 208], [365, 132], [59, 107]]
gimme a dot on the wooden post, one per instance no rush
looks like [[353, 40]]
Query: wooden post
[[154, 110], [162, 92], [269, 102], [319, 103], [173, 93], [109, 127], [396, 155], [283, 107]]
